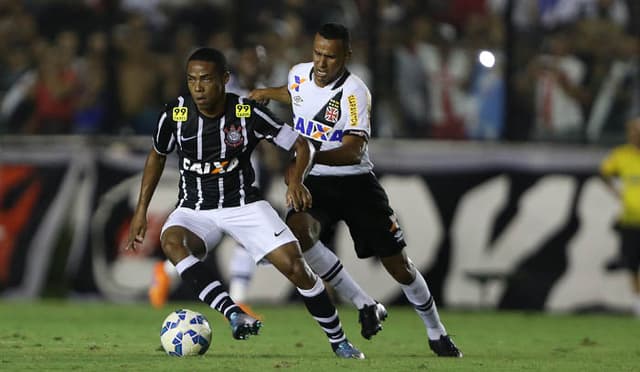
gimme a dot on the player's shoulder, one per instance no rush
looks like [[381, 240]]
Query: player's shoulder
[[242, 107], [303, 68], [355, 85], [234, 102], [618, 155], [180, 109], [300, 73], [626, 150], [620, 149]]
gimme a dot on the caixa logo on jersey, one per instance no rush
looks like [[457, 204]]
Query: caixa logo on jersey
[[205, 167], [317, 131]]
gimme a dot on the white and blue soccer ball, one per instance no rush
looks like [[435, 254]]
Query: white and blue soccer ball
[[185, 332]]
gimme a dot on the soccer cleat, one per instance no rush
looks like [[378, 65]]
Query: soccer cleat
[[347, 351], [160, 285], [243, 325], [247, 309], [371, 318], [445, 347]]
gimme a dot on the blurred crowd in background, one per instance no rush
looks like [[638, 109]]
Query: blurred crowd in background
[[515, 70]]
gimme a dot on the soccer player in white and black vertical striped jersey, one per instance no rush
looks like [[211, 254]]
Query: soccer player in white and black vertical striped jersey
[[214, 133], [332, 107]]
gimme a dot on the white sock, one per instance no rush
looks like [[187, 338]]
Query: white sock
[[418, 294], [326, 264], [242, 267], [172, 273], [186, 263]]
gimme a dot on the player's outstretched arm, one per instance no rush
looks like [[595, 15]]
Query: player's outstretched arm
[[298, 196], [153, 168], [262, 96]]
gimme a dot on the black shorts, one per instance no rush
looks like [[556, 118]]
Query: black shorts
[[630, 246], [363, 205]]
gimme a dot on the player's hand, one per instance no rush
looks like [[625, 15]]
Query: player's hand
[[137, 230], [259, 95], [298, 197], [288, 171]]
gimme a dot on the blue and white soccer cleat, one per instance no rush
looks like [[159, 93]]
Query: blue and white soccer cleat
[[243, 325], [347, 351]]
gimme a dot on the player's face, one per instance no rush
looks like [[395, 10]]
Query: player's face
[[206, 86], [329, 60]]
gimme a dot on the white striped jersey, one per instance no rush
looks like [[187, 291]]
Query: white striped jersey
[[214, 153], [325, 114]]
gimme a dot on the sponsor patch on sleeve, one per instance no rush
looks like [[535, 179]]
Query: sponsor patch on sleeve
[[243, 111], [180, 113], [353, 110]]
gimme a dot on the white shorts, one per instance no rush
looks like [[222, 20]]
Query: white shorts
[[256, 226]]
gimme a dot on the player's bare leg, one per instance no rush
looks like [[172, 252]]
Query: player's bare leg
[[326, 264], [241, 267], [288, 260], [417, 292], [181, 247]]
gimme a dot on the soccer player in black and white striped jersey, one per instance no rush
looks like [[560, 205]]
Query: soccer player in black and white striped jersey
[[214, 133]]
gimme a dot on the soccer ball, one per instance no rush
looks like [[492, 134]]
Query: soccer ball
[[185, 332]]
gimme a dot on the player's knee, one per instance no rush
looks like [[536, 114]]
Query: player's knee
[[306, 230], [400, 268], [298, 274], [173, 246], [177, 243]]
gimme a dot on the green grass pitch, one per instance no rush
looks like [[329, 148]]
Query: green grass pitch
[[97, 336]]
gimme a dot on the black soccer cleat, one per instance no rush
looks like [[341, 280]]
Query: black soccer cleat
[[445, 347], [243, 325], [371, 318]]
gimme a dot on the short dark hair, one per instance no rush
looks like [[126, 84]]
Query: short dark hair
[[336, 31], [210, 55]]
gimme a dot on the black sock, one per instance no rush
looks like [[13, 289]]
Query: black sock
[[321, 308], [208, 289]]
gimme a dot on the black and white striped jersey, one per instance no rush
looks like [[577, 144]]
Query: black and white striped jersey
[[215, 171]]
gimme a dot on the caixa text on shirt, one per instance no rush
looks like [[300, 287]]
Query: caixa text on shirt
[[205, 167], [317, 131]]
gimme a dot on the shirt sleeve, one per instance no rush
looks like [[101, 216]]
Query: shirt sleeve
[[358, 102], [271, 128], [164, 140]]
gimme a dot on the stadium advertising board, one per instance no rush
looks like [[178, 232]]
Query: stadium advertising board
[[507, 227]]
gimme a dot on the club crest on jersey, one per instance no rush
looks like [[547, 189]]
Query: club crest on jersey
[[297, 82], [332, 112], [180, 113], [243, 111], [233, 136]]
